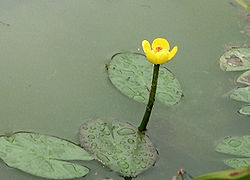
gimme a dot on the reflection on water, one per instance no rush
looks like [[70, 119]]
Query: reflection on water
[[53, 75]]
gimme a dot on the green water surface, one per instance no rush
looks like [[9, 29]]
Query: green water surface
[[53, 77]]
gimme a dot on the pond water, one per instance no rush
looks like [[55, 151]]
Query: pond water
[[53, 76]]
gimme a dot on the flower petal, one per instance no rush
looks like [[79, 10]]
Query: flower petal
[[162, 57], [146, 46], [148, 51], [173, 53], [152, 57], [160, 42]]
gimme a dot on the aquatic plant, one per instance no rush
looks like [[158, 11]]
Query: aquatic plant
[[131, 74], [158, 54], [239, 174], [121, 146], [42, 155], [238, 146], [237, 59]]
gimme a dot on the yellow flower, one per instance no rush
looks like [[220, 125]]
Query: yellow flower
[[159, 53]]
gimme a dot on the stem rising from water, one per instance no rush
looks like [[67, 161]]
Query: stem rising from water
[[151, 100]]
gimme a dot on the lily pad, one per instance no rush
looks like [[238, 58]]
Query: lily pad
[[245, 110], [244, 78], [237, 162], [242, 174], [241, 94], [132, 74], [236, 59], [43, 155], [239, 146], [118, 146]]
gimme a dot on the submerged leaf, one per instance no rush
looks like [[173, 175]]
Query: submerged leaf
[[239, 146], [118, 146], [242, 174], [244, 78], [41, 155], [241, 94], [236, 59], [237, 162], [245, 110], [132, 74]]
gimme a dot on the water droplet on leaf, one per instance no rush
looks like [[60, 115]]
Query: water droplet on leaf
[[93, 145], [91, 136], [107, 133], [234, 143], [131, 141], [123, 164]]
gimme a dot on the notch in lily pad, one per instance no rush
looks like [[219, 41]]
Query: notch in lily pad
[[244, 78], [238, 146], [119, 146], [43, 156], [235, 59], [245, 110]]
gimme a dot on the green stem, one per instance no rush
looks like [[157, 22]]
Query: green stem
[[151, 100]]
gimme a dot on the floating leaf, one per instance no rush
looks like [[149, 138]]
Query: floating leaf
[[118, 146], [239, 146], [42, 155], [245, 110], [132, 74], [241, 94], [244, 78], [237, 162], [242, 174], [236, 59]]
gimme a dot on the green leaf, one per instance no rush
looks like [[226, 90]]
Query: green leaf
[[237, 162], [241, 94], [240, 174], [239, 146], [236, 59], [42, 155], [244, 78], [132, 74], [245, 110], [118, 146]]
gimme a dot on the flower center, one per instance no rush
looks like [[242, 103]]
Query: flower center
[[158, 49]]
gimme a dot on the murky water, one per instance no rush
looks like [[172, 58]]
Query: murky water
[[53, 77]]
